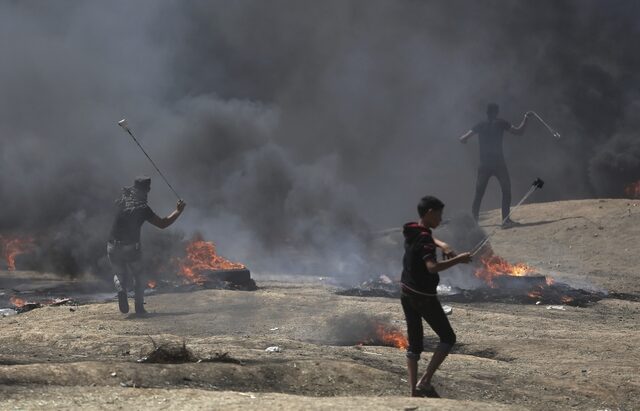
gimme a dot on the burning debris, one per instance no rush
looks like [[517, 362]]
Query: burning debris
[[556, 293], [520, 283], [17, 302], [361, 329], [11, 247], [21, 305], [387, 336], [503, 283], [202, 257], [200, 267], [493, 270], [204, 267]]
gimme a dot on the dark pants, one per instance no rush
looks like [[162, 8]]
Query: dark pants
[[124, 260], [415, 309], [485, 172]]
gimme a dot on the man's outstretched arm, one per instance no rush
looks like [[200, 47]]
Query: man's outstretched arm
[[435, 266], [168, 220], [518, 131], [466, 136]]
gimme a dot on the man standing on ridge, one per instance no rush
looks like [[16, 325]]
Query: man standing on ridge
[[492, 163]]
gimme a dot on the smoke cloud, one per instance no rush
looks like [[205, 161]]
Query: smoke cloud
[[297, 129]]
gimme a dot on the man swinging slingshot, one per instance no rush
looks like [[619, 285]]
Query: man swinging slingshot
[[492, 163], [124, 247]]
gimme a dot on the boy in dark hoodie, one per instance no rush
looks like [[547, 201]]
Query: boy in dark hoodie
[[419, 297]]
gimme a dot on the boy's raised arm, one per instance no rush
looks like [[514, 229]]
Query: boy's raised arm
[[446, 249]]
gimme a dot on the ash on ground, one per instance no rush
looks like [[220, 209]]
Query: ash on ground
[[557, 293]]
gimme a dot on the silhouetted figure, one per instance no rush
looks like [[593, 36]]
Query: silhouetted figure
[[492, 163]]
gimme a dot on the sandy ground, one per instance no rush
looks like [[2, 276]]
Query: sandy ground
[[509, 356], [589, 241]]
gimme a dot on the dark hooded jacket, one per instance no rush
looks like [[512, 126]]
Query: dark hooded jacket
[[419, 247]]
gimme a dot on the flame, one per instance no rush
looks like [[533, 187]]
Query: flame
[[383, 334], [535, 294], [494, 266], [391, 337], [13, 246], [152, 284], [201, 257], [566, 299], [17, 302], [633, 190]]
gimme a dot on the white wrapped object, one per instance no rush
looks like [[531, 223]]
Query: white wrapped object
[[5, 312]]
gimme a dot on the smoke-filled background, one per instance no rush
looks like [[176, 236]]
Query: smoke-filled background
[[296, 129]]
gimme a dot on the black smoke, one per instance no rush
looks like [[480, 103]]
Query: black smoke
[[295, 129]]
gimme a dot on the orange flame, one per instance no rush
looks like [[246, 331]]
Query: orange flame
[[494, 266], [13, 246], [201, 257], [152, 284], [391, 337], [566, 299], [633, 190], [535, 294], [17, 302]]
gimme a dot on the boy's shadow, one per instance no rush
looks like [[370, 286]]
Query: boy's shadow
[[134, 316]]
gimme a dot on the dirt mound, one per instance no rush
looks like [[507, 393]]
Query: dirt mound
[[589, 244], [582, 242], [100, 398]]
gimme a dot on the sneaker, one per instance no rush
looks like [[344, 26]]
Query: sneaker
[[123, 302], [142, 313], [509, 223], [427, 391]]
